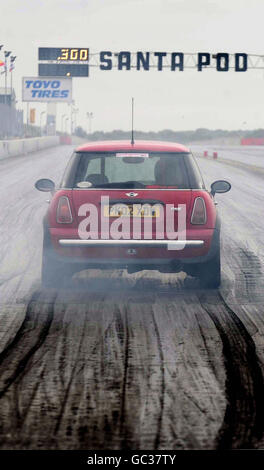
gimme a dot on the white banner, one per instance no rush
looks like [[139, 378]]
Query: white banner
[[51, 89]]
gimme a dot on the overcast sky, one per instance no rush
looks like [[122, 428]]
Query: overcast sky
[[165, 99]]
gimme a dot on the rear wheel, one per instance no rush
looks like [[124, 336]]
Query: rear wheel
[[54, 273], [210, 273]]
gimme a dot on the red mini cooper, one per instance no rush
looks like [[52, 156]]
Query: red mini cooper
[[134, 206]]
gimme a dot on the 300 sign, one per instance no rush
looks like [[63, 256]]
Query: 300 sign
[[74, 54]]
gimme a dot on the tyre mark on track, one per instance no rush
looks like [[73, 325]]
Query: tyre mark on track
[[140, 370], [162, 391], [83, 368], [243, 423], [211, 363], [68, 387], [24, 352], [248, 278], [76, 370], [21, 417], [124, 338]]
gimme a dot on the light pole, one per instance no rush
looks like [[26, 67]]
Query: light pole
[[7, 54], [67, 119], [62, 117], [90, 117], [12, 66], [71, 104], [242, 133], [74, 112], [40, 121]]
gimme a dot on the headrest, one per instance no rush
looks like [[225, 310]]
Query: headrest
[[97, 178], [168, 172]]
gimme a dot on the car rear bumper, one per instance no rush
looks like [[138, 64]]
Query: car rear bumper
[[170, 244], [109, 254]]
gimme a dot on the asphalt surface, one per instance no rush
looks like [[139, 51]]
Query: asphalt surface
[[253, 155], [132, 361]]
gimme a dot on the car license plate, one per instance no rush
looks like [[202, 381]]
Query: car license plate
[[131, 210]]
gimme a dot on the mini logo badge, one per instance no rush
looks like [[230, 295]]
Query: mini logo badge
[[132, 251], [132, 194]]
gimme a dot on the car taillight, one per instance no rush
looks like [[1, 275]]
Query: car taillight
[[199, 212], [64, 215]]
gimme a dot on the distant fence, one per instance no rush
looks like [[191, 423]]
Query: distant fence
[[11, 122], [252, 141]]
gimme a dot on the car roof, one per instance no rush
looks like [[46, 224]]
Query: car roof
[[125, 145]]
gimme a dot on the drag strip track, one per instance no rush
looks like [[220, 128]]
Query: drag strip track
[[138, 361], [243, 422]]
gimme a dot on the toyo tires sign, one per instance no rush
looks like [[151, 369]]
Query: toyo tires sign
[[47, 89]]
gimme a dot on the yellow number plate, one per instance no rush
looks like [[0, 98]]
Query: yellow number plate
[[127, 211]]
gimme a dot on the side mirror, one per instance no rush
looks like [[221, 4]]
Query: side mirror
[[220, 186], [45, 185]]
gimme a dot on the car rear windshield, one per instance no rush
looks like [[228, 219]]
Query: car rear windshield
[[130, 170]]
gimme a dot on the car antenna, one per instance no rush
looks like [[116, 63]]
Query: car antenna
[[132, 133]]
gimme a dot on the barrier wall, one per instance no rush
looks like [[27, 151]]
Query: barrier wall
[[65, 140], [252, 141], [13, 148]]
